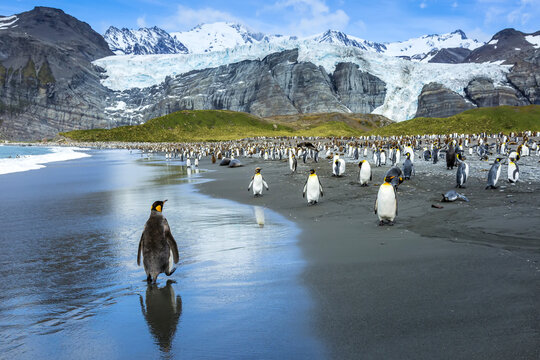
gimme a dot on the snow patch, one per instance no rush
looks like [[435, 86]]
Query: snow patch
[[8, 21], [493, 42], [535, 40]]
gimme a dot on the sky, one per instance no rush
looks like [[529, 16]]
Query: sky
[[374, 20]]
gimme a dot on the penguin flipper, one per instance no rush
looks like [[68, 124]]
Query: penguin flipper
[[139, 251], [171, 242]]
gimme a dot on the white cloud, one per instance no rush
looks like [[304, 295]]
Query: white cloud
[[306, 17], [423, 5], [455, 4], [186, 18]]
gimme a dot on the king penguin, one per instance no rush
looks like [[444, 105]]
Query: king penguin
[[386, 205], [513, 170], [157, 245], [292, 162], [462, 172], [364, 175], [257, 181], [313, 188], [494, 173], [408, 167], [338, 168]]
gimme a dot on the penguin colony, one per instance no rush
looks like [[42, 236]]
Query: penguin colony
[[158, 248]]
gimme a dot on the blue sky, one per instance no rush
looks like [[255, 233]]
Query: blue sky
[[381, 21]]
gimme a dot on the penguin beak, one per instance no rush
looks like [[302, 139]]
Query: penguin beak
[[164, 201]]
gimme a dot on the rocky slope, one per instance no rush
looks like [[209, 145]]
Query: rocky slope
[[47, 81], [507, 47], [275, 85]]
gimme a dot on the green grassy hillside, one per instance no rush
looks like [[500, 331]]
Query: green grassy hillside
[[492, 120], [213, 125]]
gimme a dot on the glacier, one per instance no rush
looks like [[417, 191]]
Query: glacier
[[404, 79]]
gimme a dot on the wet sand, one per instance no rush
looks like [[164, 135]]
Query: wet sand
[[461, 282]]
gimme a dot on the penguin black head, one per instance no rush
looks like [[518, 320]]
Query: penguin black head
[[388, 178], [158, 205], [517, 157], [360, 163], [258, 170], [312, 171]]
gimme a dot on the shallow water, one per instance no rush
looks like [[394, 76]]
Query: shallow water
[[71, 288], [8, 151]]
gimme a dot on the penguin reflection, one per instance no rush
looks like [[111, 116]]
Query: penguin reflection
[[162, 312]]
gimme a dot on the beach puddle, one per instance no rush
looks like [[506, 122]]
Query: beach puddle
[[71, 287]]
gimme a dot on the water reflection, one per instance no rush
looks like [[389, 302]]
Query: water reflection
[[259, 215], [162, 312]]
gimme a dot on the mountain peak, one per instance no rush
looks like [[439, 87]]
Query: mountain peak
[[461, 33]]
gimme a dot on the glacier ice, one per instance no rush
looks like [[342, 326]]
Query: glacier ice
[[404, 79]]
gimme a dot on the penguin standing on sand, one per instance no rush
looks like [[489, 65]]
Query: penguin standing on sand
[[386, 204], [292, 162], [364, 175], [157, 245], [257, 181], [450, 157], [462, 172], [408, 167], [313, 188], [338, 168], [513, 170], [493, 174]]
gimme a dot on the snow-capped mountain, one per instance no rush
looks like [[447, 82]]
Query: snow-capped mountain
[[419, 48], [222, 35], [143, 41], [340, 38]]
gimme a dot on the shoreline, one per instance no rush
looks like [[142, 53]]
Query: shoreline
[[415, 278]]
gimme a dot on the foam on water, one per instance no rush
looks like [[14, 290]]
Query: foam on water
[[34, 162]]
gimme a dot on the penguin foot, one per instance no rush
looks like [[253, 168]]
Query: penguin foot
[[390, 223], [381, 223], [149, 279]]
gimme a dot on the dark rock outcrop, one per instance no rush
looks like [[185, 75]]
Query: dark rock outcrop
[[483, 93], [525, 76], [47, 81], [449, 56], [275, 85], [435, 100], [360, 91], [508, 45]]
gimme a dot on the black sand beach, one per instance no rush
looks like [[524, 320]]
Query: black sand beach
[[461, 282]]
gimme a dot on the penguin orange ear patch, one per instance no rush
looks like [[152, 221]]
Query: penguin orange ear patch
[[158, 208]]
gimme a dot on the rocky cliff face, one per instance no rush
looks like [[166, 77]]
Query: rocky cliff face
[[483, 93], [361, 92], [525, 76], [47, 81], [276, 85], [438, 101]]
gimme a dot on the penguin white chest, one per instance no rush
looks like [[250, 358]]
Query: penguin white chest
[[312, 191], [513, 172], [386, 202], [365, 173], [257, 184]]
